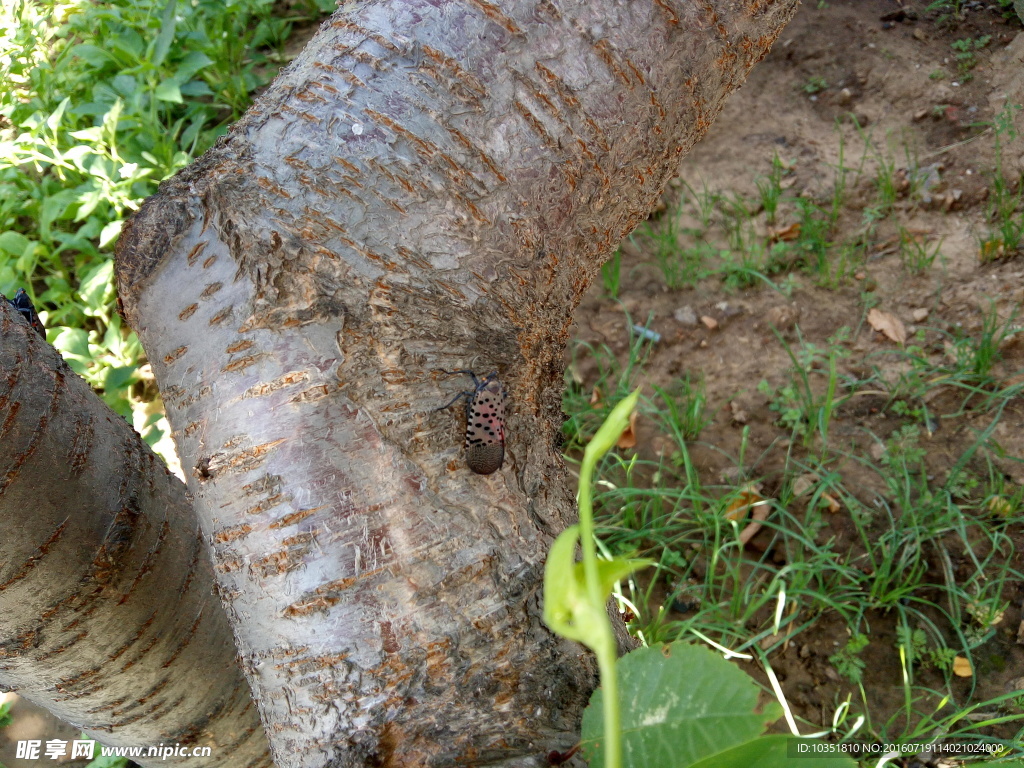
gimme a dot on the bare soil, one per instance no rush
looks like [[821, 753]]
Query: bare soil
[[844, 73]]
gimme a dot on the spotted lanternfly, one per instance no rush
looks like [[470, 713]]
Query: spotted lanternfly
[[23, 304], [485, 422]]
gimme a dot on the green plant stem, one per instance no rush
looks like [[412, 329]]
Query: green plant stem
[[603, 646]]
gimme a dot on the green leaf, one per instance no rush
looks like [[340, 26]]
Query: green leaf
[[110, 232], [53, 121], [14, 243], [612, 428], [192, 62], [681, 703], [567, 608], [609, 572], [168, 23], [72, 342], [95, 284], [118, 378], [168, 90], [777, 751]]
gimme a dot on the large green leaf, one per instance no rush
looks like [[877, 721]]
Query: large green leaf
[[681, 703], [778, 751]]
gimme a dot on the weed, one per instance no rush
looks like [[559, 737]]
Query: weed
[[1005, 200], [802, 409], [965, 51], [916, 255], [847, 660], [611, 274], [770, 189], [815, 84]]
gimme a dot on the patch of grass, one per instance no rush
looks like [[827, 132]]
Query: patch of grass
[[916, 254], [804, 407], [611, 274], [910, 527], [770, 189], [1006, 199]]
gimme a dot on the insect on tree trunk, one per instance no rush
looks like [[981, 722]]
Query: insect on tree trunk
[[431, 184]]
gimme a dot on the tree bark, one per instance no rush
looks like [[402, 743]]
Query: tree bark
[[432, 184], [107, 612]]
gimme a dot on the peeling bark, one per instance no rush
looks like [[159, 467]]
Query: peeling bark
[[432, 184], [107, 612]]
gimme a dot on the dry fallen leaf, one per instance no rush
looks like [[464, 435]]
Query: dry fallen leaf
[[595, 397], [785, 234], [744, 500], [962, 667], [628, 438], [832, 504], [889, 325], [804, 483], [709, 321], [999, 506]]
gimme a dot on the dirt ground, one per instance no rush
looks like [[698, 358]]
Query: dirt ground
[[889, 68]]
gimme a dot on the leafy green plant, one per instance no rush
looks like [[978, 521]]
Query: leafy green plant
[[802, 409], [575, 593], [847, 660], [814, 84], [101, 102], [965, 51]]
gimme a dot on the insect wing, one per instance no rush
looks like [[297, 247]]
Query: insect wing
[[485, 427]]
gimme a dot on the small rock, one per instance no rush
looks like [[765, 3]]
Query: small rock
[[685, 316], [920, 115], [919, 34], [845, 96], [709, 322], [919, 315]]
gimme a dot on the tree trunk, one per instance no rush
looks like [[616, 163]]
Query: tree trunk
[[431, 185], [107, 612]]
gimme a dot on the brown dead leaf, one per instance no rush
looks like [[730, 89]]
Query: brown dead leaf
[[962, 667], [709, 322], [888, 324], [744, 500], [784, 234], [999, 506], [831, 503], [595, 397], [628, 438], [804, 483]]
